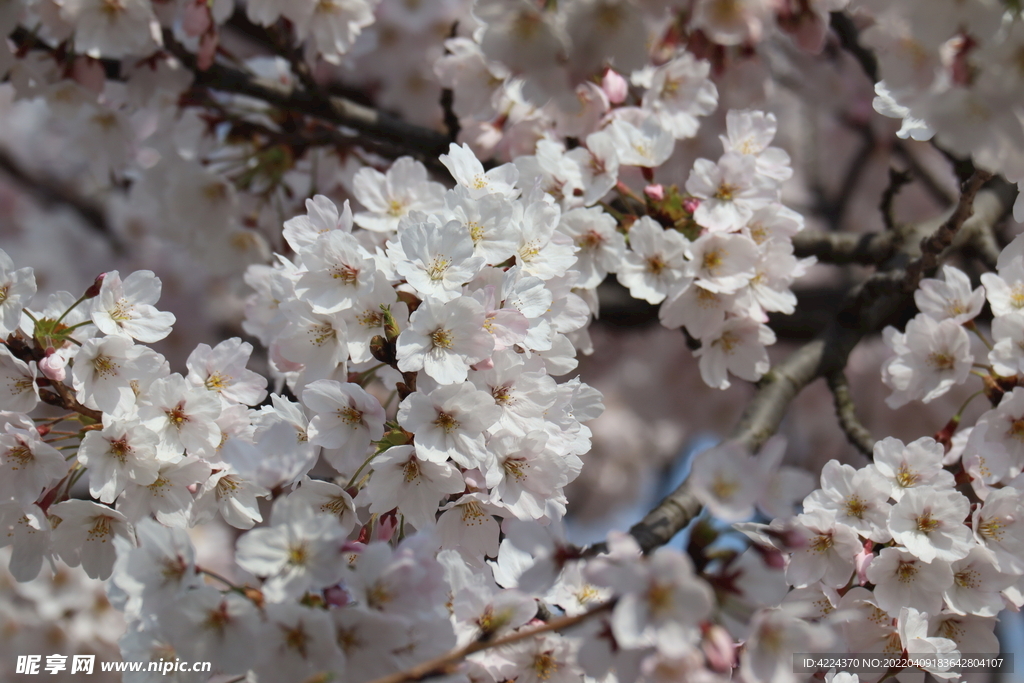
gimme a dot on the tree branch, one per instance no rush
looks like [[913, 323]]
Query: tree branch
[[868, 308], [375, 125], [849, 38], [933, 245], [446, 663], [49, 191], [840, 248], [846, 411]]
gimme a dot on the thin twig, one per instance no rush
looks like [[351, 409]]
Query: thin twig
[[897, 179], [935, 188], [933, 245], [846, 411]]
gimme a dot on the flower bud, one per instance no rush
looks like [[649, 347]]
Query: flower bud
[[614, 86], [94, 288], [655, 192], [719, 649], [53, 366]]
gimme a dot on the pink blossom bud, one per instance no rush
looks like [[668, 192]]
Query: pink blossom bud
[[486, 364], [336, 596], [89, 73], [52, 366], [655, 192], [719, 649], [195, 20], [615, 87], [690, 204], [352, 547], [862, 561], [207, 50], [386, 526], [474, 480], [94, 288]]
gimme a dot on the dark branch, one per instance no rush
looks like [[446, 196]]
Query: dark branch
[[841, 248], [372, 123], [897, 179], [51, 191], [847, 32], [846, 411]]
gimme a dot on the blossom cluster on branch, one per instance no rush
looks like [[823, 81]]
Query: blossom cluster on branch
[[392, 465]]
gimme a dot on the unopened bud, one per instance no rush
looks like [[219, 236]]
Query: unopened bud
[[53, 366], [655, 192], [391, 330], [94, 288], [615, 86], [690, 204], [719, 649]]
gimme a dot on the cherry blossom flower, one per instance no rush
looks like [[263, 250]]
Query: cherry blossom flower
[[338, 271], [16, 289], [230, 495], [222, 369], [724, 479], [654, 263], [444, 340], [998, 525], [27, 464], [930, 524], [435, 260], [302, 232], [123, 451], [738, 347], [181, 414], [108, 369], [18, 389], [950, 298], [977, 585], [449, 422], [902, 580], [730, 191], [299, 551], [827, 554], [126, 308], [469, 173], [85, 535], [412, 484], [647, 145], [919, 463], [346, 416], [857, 497], [27, 530]]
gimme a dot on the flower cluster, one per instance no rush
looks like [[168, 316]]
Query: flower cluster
[[897, 559], [951, 70]]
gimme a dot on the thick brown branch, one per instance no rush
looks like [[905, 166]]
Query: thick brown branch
[[872, 248], [846, 411]]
